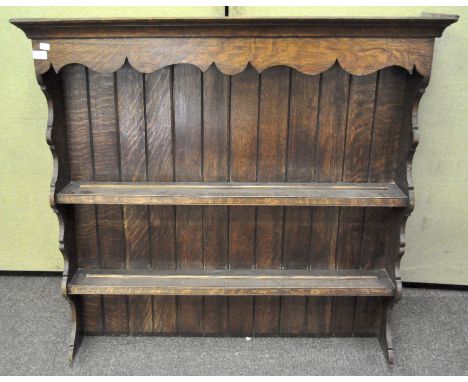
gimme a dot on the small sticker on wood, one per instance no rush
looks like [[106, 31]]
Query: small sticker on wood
[[39, 54], [44, 46]]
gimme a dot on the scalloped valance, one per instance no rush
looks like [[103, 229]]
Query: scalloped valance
[[310, 45], [358, 56]]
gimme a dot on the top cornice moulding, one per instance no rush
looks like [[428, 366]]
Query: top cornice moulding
[[426, 25]]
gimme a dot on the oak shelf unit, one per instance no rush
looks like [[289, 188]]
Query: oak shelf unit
[[243, 177], [232, 282], [235, 193]]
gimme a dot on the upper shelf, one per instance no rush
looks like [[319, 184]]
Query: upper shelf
[[260, 194]]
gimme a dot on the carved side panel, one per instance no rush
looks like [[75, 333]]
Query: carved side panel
[[51, 86], [415, 90]]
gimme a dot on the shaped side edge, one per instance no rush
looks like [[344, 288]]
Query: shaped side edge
[[50, 85]]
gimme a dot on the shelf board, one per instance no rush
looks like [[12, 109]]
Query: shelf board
[[232, 282], [231, 193]]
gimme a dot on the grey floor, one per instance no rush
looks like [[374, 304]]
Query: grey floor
[[430, 336]]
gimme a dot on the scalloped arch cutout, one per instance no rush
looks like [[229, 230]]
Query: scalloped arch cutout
[[357, 56], [213, 64]]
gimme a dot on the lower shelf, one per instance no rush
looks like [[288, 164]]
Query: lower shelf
[[232, 282]]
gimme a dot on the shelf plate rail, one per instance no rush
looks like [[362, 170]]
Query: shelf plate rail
[[232, 282], [231, 193]]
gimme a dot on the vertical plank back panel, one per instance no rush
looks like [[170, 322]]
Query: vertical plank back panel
[[132, 133], [81, 159], [75, 85], [272, 154], [303, 110], [355, 169], [388, 124], [216, 103], [160, 149], [103, 116], [179, 124], [331, 133], [380, 232], [188, 167], [243, 168]]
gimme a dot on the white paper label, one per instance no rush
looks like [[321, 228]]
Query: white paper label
[[44, 46], [39, 54]]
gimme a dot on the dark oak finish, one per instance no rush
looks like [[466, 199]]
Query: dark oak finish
[[232, 282], [233, 176], [160, 167], [358, 56], [235, 193], [427, 25], [110, 230]]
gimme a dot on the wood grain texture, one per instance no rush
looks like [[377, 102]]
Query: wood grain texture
[[188, 167], [386, 140], [272, 154], [243, 167], [132, 133], [303, 111], [241, 256], [81, 168], [215, 177], [216, 112], [187, 119], [329, 154], [56, 137], [296, 247], [380, 230], [360, 119], [189, 241], [414, 91], [281, 238], [105, 143], [216, 109], [302, 129], [358, 56], [233, 282], [426, 25], [235, 193], [160, 151], [312, 158], [244, 125]]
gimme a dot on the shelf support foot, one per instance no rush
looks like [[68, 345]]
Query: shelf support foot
[[385, 334], [75, 335]]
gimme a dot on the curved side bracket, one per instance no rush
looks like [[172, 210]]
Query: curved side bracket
[[418, 86], [50, 85], [422, 84]]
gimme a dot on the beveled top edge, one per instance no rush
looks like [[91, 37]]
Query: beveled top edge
[[426, 25], [431, 18]]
